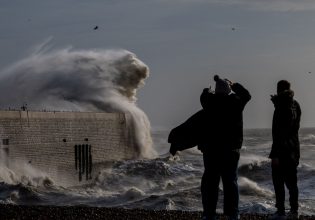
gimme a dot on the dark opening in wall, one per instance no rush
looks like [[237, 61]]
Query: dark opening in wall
[[83, 160], [5, 141]]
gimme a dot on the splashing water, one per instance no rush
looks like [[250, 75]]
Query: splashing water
[[21, 172], [81, 80]]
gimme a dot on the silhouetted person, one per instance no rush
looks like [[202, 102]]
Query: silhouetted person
[[222, 140], [285, 152], [24, 107]]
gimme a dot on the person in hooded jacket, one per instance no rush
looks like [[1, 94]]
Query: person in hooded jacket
[[285, 151], [222, 140]]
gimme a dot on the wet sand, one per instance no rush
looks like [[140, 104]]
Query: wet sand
[[18, 212]]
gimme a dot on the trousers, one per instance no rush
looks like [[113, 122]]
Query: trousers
[[284, 173], [220, 165]]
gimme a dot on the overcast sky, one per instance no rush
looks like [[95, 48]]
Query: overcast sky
[[184, 42]]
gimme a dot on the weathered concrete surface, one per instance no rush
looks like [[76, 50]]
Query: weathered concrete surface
[[46, 140], [77, 212]]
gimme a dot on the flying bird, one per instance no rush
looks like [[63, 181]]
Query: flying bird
[[309, 72], [96, 27], [233, 29]]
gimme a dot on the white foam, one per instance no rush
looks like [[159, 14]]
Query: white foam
[[134, 193], [252, 159], [249, 187], [22, 172]]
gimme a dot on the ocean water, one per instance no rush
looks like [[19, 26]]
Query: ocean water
[[167, 182]]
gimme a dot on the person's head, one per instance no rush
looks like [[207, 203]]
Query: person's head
[[221, 86], [282, 86]]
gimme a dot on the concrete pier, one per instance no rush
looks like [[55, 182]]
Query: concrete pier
[[47, 140]]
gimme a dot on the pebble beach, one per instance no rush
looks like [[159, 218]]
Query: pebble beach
[[18, 212]]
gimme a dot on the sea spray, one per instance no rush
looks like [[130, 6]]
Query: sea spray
[[249, 187], [21, 172], [81, 80]]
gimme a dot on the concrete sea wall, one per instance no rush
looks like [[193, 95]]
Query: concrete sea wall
[[47, 140]]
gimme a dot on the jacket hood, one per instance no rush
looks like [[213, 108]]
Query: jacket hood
[[287, 93], [283, 98]]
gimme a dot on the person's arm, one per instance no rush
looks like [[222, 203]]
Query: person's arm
[[242, 93], [296, 130], [298, 116], [204, 98]]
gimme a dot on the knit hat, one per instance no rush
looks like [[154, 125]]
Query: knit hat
[[221, 86]]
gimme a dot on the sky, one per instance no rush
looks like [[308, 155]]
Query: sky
[[184, 43]]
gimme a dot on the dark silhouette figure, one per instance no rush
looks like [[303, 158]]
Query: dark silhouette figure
[[217, 129], [221, 144], [95, 28], [24, 107], [285, 152]]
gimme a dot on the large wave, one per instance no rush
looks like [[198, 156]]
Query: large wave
[[81, 80]]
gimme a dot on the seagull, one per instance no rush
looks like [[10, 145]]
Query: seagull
[[96, 27]]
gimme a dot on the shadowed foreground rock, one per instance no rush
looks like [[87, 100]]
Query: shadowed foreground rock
[[79, 212]]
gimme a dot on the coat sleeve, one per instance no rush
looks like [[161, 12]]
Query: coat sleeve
[[205, 98], [298, 116], [242, 93], [187, 134]]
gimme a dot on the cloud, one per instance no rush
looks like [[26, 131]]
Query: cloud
[[275, 5], [264, 5]]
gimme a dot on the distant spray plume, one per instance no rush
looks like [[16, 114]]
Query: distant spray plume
[[81, 80]]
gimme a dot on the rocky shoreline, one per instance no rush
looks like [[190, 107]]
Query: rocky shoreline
[[18, 212]]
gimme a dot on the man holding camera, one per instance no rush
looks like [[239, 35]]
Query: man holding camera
[[221, 145]]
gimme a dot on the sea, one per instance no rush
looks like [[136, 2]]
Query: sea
[[167, 182]]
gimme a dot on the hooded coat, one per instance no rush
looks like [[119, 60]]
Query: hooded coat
[[224, 119], [285, 126]]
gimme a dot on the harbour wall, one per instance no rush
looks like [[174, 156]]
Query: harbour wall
[[68, 146]]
